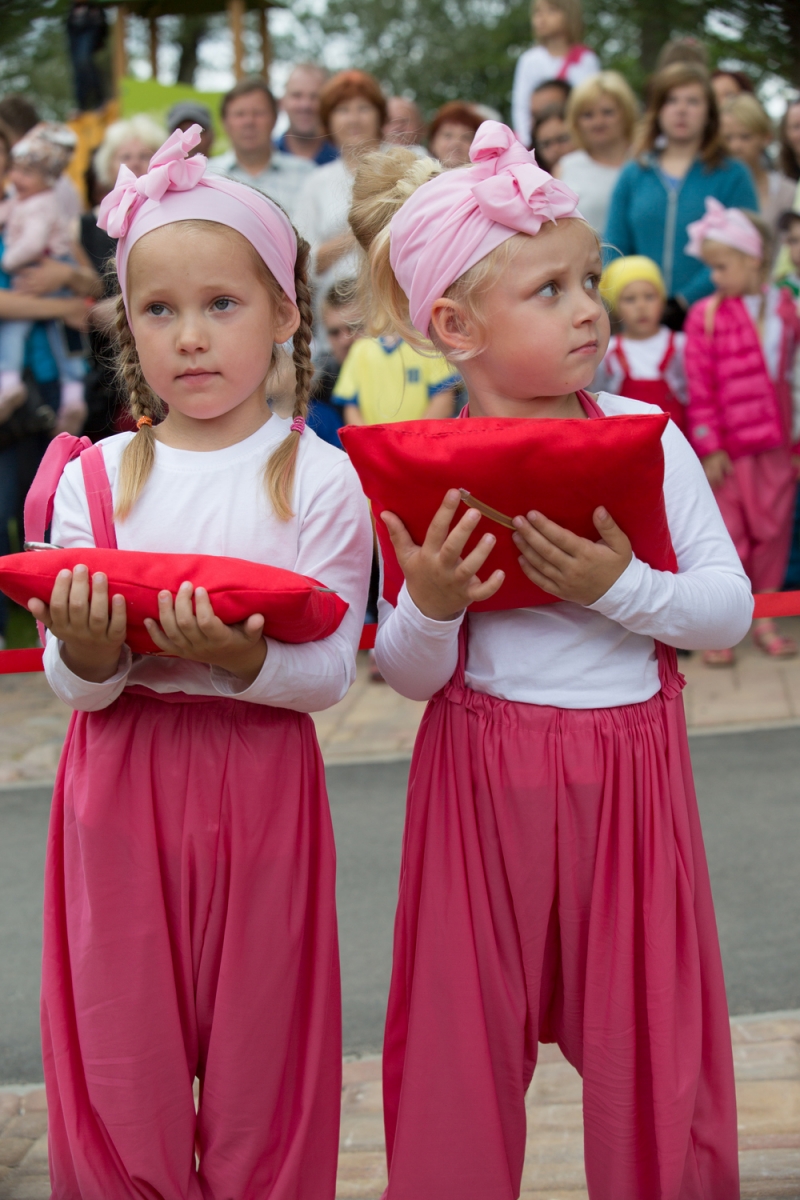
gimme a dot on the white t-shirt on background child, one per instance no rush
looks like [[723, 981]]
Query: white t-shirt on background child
[[536, 66]]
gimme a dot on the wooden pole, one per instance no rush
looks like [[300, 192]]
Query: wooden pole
[[154, 46], [266, 42], [120, 58], [236, 18]]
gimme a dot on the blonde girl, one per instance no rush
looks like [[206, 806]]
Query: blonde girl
[[189, 927], [747, 132], [601, 115], [554, 885], [557, 54]]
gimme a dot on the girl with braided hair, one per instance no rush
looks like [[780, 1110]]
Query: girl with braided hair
[[190, 927]]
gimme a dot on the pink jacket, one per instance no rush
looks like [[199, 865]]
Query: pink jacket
[[35, 227], [733, 403]]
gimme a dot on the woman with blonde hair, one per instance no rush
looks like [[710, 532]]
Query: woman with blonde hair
[[747, 132], [558, 54], [601, 115], [128, 143], [681, 160]]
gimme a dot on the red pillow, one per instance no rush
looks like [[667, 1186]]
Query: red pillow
[[562, 468], [295, 609]]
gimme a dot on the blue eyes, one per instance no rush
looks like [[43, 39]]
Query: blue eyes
[[591, 283], [222, 304]]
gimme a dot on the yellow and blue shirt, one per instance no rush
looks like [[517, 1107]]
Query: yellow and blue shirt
[[390, 381]]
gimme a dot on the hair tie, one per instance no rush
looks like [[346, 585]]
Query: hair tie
[[144, 421], [297, 425]]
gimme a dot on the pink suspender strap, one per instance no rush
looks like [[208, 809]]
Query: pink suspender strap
[[39, 500], [98, 494], [573, 55]]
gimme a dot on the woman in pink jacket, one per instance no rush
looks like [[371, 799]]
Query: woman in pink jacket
[[740, 347]]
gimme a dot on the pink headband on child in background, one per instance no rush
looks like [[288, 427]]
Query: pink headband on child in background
[[455, 219], [176, 188], [729, 226]]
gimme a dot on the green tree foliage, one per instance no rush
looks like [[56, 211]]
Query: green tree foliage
[[33, 55], [438, 50]]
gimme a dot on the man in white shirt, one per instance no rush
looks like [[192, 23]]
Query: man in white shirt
[[249, 112]]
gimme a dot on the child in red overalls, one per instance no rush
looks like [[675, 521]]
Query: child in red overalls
[[645, 360]]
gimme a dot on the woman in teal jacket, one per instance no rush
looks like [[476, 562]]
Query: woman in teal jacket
[[681, 161]]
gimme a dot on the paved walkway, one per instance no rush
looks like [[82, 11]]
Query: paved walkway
[[374, 724], [767, 1055]]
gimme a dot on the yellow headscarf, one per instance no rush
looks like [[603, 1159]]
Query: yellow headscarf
[[633, 269]]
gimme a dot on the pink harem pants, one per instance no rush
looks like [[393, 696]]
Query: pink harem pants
[[757, 505], [554, 888], [190, 930]]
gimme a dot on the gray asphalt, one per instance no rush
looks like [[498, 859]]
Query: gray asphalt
[[749, 790]]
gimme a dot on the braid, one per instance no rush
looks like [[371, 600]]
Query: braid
[[139, 455], [281, 464]]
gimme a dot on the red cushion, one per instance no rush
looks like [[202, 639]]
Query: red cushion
[[562, 468], [295, 609]]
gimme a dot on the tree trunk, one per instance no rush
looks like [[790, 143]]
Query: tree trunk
[[790, 15], [191, 32], [656, 29]]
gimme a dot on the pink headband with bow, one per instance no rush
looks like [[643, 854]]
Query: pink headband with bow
[[176, 188], [457, 218], [726, 225]]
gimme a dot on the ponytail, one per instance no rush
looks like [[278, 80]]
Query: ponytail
[[282, 462], [145, 407]]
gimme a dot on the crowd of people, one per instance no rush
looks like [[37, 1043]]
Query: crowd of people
[[554, 885], [643, 170]]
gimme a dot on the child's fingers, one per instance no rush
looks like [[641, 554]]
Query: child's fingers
[[401, 539], [458, 537], [59, 598], [253, 628], [158, 636], [98, 605], [40, 611], [439, 528], [168, 622], [540, 551], [118, 624], [541, 564], [207, 620], [556, 535], [541, 580], [614, 537], [482, 591], [78, 604], [477, 557]]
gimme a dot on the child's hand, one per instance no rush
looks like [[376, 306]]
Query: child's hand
[[568, 566], [92, 638], [717, 466], [440, 582], [199, 635]]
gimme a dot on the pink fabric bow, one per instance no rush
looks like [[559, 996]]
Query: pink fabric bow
[[458, 217], [729, 226], [518, 194], [177, 188], [170, 168]]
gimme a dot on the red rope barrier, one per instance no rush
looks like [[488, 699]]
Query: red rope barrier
[[768, 604]]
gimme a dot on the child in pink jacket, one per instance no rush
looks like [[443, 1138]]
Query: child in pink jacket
[[740, 346]]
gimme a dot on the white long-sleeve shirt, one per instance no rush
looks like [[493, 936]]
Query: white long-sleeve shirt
[[215, 502], [536, 66], [602, 655]]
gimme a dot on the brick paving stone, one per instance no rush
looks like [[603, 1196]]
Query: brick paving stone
[[767, 1060]]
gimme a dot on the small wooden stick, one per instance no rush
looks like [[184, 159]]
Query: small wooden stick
[[491, 513]]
